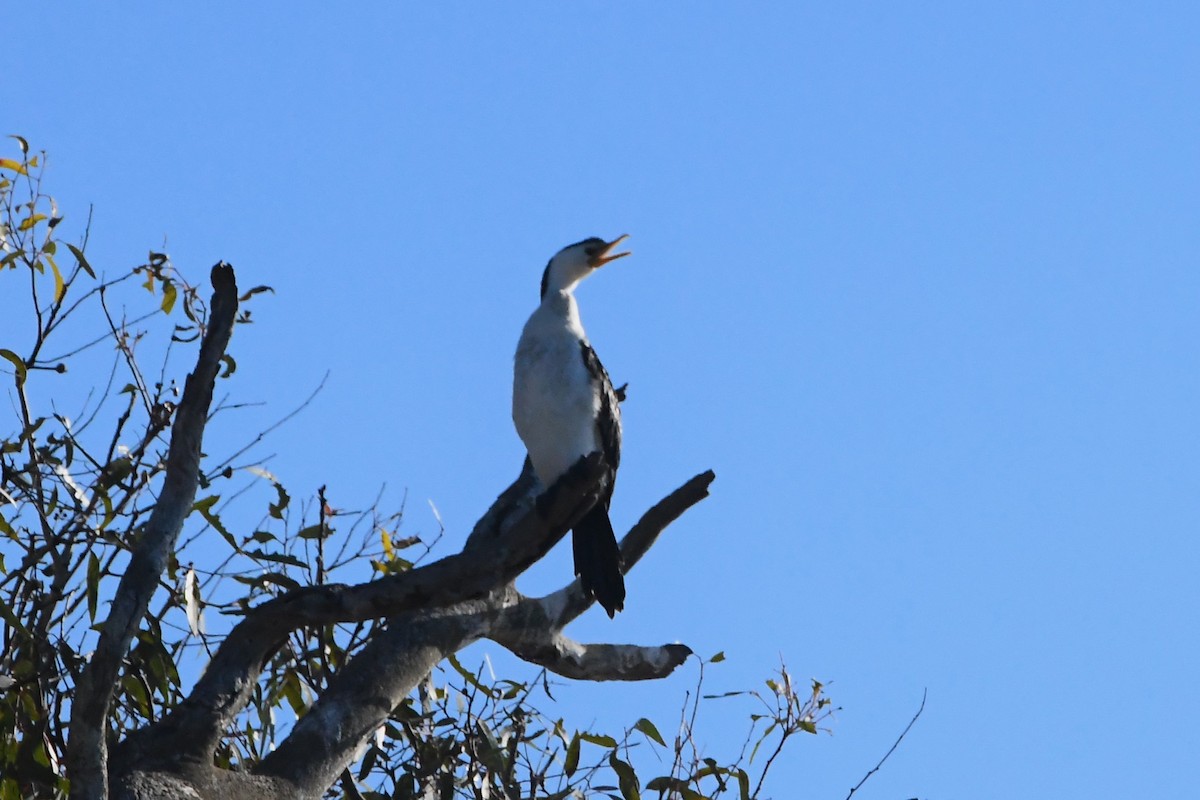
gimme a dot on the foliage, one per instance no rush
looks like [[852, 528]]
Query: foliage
[[78, 469], [81, 462]]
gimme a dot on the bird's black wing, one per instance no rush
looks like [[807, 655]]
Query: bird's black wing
[[608, 422], [597, 555]]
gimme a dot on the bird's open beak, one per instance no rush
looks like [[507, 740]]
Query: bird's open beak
[[603, 257]]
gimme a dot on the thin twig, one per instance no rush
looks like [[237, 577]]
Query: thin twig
[[271, 428], [903, 733]]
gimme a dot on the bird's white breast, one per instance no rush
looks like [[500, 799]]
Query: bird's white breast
[[554, 401]]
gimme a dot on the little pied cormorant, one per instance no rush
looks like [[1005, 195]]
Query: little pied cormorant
[[565, 407]]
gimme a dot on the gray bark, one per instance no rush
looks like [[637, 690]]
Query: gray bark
[[87, 748]]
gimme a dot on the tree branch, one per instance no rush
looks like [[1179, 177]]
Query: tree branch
[[511, 536], [432, 612], [592, 662], [377, 680], [532, 627], [366, 691], [571, 601], [87, 750]]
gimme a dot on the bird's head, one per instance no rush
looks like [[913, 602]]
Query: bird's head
[[575, 262]]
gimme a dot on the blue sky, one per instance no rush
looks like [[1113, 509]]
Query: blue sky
[[918, 281]]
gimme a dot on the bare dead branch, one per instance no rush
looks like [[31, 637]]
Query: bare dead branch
[[87, 750], [592, 662]]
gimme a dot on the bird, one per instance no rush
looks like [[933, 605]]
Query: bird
[[565, 408]]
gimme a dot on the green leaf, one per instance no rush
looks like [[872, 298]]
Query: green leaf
[[158, 667], [278, 558], [368, 762], [254, 291], [293, 693], [276, 509], [6, 614], [665, 783], [626, 778], [572, 761], [168, 299], [280, 580], [59, 287], [311, 532], [469, 676], [276, 578], [116, 471], [647, 727], [32, 428], [489, 752], [599, 739], [513, 690], [205, 507], [83, 262], [93, 585], [676, 787], [718, 658], [109, 512], [18, 364], [137, 693], [762, 738]]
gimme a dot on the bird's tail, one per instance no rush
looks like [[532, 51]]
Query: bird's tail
[[598, 559]]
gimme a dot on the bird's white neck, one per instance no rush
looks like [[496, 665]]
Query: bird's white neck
[[561, 305]]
